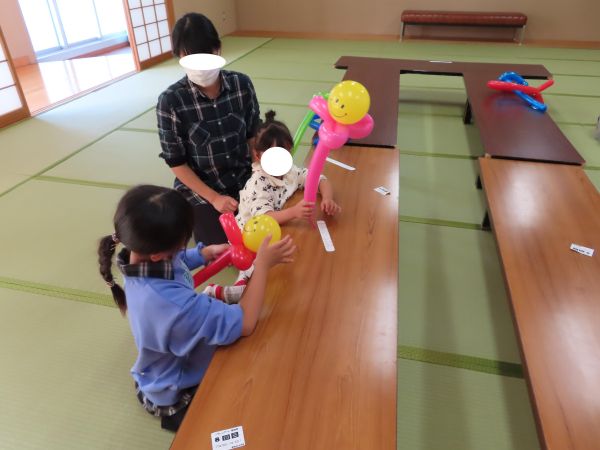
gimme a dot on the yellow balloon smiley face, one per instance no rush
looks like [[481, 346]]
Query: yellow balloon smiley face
[[348, 102], [257, 229]]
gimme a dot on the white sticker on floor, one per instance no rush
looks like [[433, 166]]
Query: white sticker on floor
[[583, 250], [228, 439]]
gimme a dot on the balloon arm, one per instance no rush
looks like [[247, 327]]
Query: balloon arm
[[213, 268], [314, 171], [319, 105]]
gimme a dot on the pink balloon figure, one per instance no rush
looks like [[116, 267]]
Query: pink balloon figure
[[332, 135]]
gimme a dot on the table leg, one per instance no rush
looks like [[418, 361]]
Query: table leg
[[467, 115]]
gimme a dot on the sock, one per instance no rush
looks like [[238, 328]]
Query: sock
[[228, 294]]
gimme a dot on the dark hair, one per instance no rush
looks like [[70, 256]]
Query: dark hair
[[272, 133], [194, 33], [149, 219]]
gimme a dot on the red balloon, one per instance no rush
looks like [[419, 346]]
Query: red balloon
[[213, 268], [231, 228], [241, 257]]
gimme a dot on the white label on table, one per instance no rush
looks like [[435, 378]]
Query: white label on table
[[382, 190], [325, 236], [341, 164], [442, 62], [228, 439], [583, 250]]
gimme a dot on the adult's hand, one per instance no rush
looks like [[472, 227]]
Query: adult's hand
[[224, 203]]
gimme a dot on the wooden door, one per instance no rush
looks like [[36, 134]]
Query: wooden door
[[13, 106], [150, 23]]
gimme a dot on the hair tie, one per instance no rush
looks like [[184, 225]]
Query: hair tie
[[115, 239]]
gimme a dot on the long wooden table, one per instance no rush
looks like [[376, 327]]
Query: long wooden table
[[537, 211], [319, 372], [508, 127]]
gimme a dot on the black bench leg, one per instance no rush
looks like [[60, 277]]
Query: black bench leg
[[486, 225], [467, 115], [478, 184]]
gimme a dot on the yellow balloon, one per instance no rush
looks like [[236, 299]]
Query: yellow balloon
[[348, 102], [257, 229]]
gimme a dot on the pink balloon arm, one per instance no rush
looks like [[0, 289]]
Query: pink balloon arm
[[362, 128], [213, 268], [319, 105], [314, 171]]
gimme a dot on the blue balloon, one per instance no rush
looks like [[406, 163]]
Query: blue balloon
[[514, 77]]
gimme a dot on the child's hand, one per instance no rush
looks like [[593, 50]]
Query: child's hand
[[211, 252], [277, 253], [303, 209], [328, 206]]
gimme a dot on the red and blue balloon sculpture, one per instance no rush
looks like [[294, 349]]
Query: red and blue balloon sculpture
[[513, 82]]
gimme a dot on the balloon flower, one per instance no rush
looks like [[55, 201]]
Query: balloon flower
[[244, 245], [343, 116], [513, 82]]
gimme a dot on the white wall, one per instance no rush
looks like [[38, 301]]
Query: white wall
[[221, 12]]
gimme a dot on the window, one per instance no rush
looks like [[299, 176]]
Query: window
[[55, 25]]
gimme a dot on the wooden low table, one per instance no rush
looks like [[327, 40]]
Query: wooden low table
[[319, 372], [508, 127], [537, 211]]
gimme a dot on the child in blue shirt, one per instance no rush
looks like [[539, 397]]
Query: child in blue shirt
[[176, 330]]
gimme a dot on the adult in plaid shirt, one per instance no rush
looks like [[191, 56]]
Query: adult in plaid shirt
[[205, 127]]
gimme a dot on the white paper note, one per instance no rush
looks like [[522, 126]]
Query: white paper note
[[228, 439], [582, 250], [382, 190], [341, 164], [325, 236]]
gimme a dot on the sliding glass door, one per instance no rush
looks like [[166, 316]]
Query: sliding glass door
[[54, 25], [12, 101]]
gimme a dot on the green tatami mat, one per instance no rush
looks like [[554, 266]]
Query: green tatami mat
[[440, 189], [497, 50], [573, 85], [49, 232], [443, 408], [287, 70], [65, 381], [288, 92], [582, 138], [146, 121], [578, 110], [451, 292], [8, 180], [438, 135], [236, 47], [123, 158], [594, 176], [34, 144]]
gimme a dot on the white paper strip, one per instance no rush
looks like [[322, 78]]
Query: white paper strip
[[325, 236], [228, 439], [583, 250], [341, 164]]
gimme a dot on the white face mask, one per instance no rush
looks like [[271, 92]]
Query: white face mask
[[203, 77]]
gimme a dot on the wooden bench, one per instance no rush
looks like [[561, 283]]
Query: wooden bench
[[465, 19], [319, 372], [537, 211]]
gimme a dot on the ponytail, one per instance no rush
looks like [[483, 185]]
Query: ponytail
[[106, 250]]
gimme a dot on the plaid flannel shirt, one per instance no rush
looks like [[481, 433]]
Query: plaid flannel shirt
[[210, 136]]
